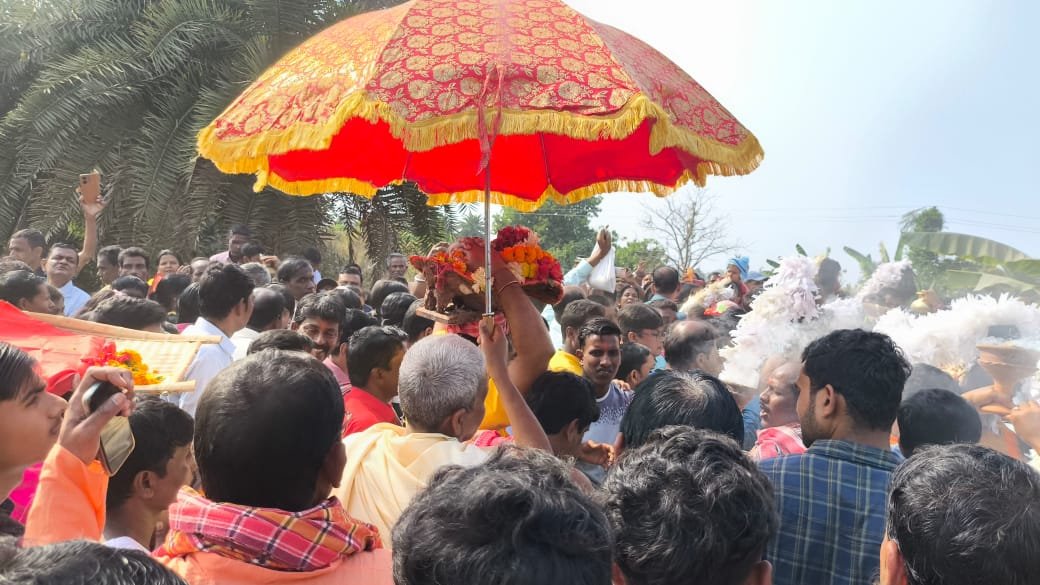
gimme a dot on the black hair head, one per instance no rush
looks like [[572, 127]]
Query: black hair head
[[129, 312], [382, 289], [518, 518], [579, 311], [599, 327], [936, 417], [264, 428], [394, 307], [415, 324], [80, 562], [557, 398], [371, 348], [268, 307], [17, 285], [965, 514], [221, 289], [159, 428], [694, 399], [17, 370], [281, 339], [688, 507], [666, 280], [633, 356], [638, 317], [866, 368]]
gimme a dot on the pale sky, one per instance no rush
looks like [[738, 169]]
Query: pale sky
[[866, 110]]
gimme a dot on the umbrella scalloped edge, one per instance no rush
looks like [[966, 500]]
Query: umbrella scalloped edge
[[250, 154]]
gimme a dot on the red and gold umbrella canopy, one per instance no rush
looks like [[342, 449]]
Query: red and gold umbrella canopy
[[430, 90]]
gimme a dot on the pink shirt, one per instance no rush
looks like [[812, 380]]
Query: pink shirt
[[342, 378]]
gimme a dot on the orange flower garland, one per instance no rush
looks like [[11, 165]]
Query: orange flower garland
[[127, 359], [521, 251]]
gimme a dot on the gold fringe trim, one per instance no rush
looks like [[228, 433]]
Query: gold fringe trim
[[366, 189], [249, 155]]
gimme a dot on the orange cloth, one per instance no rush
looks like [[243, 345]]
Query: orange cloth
[[70, 501], [70, 504], [375, 567], [495, 418]]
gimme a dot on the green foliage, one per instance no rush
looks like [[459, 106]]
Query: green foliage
[[125, 86], [563, 230], [866, 262], [630, 254], [378, 225], [471, 225], [971, 263], [925, 219], [963, 246]]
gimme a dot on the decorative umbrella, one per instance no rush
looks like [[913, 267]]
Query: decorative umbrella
[[512, 102]]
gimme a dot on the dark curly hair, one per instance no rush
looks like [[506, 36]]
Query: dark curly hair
[[965, 514], [516, 519], [688, 507], [866, 368]]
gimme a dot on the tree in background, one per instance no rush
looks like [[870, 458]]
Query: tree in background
[[564, 230], [632, 253], [689, 227], [471, 225], [125, 86], [928, 265]]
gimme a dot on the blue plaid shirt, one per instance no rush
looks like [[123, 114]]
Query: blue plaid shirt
[[832, 502]]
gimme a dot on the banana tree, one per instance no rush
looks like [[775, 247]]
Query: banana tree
[[998, 266], [866, 262]]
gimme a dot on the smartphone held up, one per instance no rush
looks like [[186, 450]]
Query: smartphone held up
[[117, 438], [90, 186]]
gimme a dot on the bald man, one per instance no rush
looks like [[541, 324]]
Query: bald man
[[693, 345]]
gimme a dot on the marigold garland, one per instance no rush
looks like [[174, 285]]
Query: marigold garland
[[127, 359]]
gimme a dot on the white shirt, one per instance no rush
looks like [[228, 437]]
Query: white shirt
[[210, 360], [317, 276], [242, 339], [126, 543], [75, 298]]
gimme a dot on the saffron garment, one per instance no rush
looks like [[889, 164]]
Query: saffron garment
[[70, 505], [387, 465]]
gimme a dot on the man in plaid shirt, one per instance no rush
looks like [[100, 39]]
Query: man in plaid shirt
[[832, 498]]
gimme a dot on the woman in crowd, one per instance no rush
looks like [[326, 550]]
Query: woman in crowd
[[781, 432], [169, 263]]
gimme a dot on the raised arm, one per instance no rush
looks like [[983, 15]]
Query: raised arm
[[527, 431], [91, 211], [528, 332]]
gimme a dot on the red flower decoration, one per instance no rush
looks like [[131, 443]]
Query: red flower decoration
[[510, 236]]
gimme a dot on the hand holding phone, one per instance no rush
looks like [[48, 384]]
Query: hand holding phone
[[86, 433], [90, 187], [117, 438]]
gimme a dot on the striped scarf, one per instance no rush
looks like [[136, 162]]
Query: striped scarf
[[275, 539]]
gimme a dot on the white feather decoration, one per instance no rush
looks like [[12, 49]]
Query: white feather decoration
[[783, 320], [887, 274], [948, 338]]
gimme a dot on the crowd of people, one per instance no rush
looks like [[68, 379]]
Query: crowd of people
[[336, 434]]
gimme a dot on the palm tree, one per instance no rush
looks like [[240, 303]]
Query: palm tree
[[125, 86]]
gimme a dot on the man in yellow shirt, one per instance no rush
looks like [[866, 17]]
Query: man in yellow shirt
[[574, 316]]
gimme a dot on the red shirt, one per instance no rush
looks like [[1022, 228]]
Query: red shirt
[[365, 410]]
